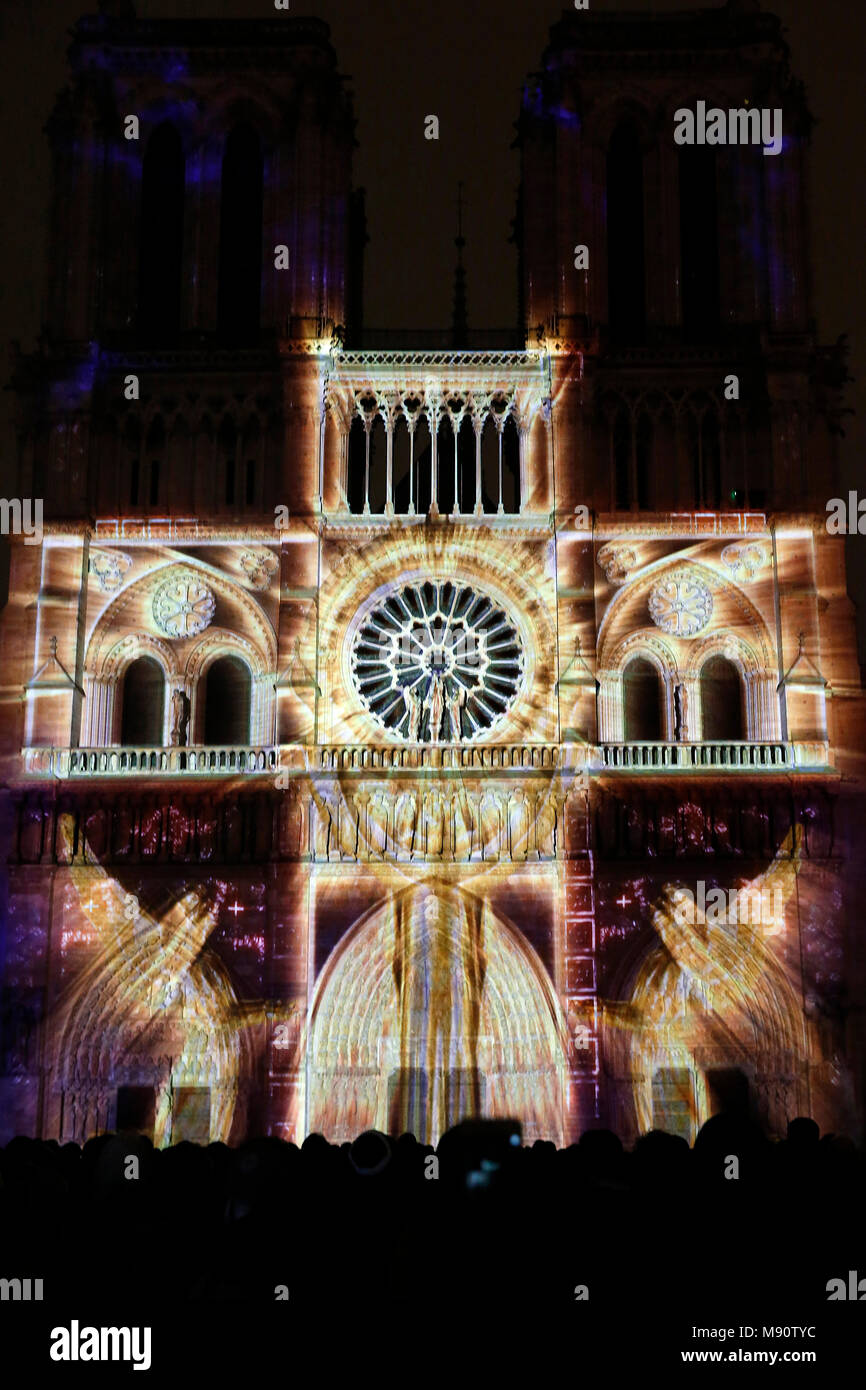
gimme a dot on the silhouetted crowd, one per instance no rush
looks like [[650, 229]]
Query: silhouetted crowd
[[481, 1220]]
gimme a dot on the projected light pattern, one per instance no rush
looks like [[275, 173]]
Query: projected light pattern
[[431, 1011], [437, 660], [703, 985]]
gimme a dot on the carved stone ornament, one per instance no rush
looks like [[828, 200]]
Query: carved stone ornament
[[680, 604], [616, 561], [259, 566], [183, 607], [437, 662], [110, 568], [744, 559]]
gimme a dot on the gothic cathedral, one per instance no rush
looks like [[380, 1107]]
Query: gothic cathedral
[[392, 736]]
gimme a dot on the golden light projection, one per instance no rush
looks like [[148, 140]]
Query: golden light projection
[[151, 989], [431, 1010], [711, 988]]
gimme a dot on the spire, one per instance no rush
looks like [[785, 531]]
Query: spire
[[459, 324]]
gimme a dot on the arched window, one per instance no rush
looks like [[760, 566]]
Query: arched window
[[179, 471], [621, 444], [466, 465], [736, 460], [699, 242], [644, 456], [722, 718], [240, 249], [423, 448], [642, 712], [711, 460], [511, 467], [445, 455], [704, 444], [132, 450], [161, 234], [378, 465], [227, 702], [143, 704], [490, 465], [356, 481], [400, 464], [227, 442], [664, 490], [626, 279], [251, 451], [155, 453]]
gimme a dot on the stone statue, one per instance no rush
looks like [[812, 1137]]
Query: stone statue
[[455, 699], [322, 829], [681, 713], [435, 704], [462, 828], [179, 718], [545, 830], [377, 827], [406, 816], [412, 702], [490, 826], [434, 821]]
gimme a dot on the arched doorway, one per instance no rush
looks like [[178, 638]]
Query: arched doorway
[[431, 1010], [227, 702], [142, 722], [721, 702], [642, 708]]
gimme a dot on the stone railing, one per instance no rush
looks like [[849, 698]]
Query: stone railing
[[438, 755], [731, 757], [72, 763], [149, 762]]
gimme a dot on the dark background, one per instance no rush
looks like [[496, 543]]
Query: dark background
[[465, 64]]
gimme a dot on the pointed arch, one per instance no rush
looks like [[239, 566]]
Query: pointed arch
[[161, 234], [626, 271], [643, 696], [142, 705], [240, 239], [225, 702], [459, 996], [699, 241], [722, 701]]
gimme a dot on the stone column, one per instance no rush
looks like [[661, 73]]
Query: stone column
[[389, 464]]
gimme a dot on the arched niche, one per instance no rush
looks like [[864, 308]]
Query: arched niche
[[642, 695], [225, 702], [161, 234], [142, 704], [240, 238], [722, 701]]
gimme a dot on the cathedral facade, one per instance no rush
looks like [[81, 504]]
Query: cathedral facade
[[394, 736]]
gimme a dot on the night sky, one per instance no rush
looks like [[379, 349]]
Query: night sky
[[464, 64]]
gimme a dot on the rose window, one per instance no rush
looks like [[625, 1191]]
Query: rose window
[[183, 607], [680, 604], [437, 662]]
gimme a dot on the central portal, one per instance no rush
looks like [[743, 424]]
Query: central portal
[[429, 1011]]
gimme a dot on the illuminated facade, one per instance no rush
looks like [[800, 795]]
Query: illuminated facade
[[381, 710]]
